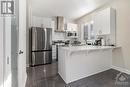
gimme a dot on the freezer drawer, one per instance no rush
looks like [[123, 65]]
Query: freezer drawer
[[39, 58]]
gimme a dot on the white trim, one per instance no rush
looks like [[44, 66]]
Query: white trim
[[25, 80], [121, 69]]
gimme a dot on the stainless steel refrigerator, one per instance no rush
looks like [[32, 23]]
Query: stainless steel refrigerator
[[41, 39]]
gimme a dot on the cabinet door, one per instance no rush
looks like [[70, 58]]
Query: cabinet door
[[72, 27], [36, 21], [102, 22], [47, 23], [106, 21], [98, 24]]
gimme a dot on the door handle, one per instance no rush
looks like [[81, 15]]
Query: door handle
[[20, 52]]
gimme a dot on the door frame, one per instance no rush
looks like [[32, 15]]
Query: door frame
[[22, 76]]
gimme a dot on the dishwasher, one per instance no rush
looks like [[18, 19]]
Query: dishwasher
[[55, 47]]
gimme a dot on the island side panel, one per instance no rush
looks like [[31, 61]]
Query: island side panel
[[62, 63]]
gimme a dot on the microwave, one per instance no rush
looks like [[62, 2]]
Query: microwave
[[71, 34]]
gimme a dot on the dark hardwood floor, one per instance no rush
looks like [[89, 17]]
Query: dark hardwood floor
[[47, 76]]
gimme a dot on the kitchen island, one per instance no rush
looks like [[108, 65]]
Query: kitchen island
[[77, 62]]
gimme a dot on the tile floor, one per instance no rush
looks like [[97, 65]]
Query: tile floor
[[47, 76]]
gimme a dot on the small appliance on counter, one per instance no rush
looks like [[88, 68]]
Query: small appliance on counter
[[100, 42], [90, 42], [71, 34], [97, 42]]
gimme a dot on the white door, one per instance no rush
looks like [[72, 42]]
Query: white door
[[12, 40]]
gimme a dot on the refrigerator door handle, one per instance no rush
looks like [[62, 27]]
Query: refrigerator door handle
[[34, 39], [45, 39]]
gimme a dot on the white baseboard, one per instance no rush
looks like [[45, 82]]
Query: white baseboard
[[121, 69], [25, 80]]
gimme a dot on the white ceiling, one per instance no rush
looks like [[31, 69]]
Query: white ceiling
[[70, 9]]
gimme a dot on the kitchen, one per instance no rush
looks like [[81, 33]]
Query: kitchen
[[80, 48]]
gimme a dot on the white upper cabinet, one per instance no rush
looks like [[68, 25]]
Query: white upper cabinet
[[71, 27], [104, 22], [41, 22]]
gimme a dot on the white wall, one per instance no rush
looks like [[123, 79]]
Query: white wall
[[121, 57]]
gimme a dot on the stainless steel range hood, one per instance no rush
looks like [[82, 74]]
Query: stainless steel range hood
[[60, 21]]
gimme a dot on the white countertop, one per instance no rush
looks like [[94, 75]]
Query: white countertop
[[86, 47]]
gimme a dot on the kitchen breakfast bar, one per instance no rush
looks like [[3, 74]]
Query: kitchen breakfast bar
[[77, 62]]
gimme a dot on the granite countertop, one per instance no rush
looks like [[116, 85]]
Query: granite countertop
[[86, 47]]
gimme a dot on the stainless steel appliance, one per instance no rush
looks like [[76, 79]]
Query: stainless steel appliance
[[41, 39], [71, 34], [55, 46]]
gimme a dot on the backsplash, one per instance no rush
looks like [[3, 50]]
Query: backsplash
[[58, 36]]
